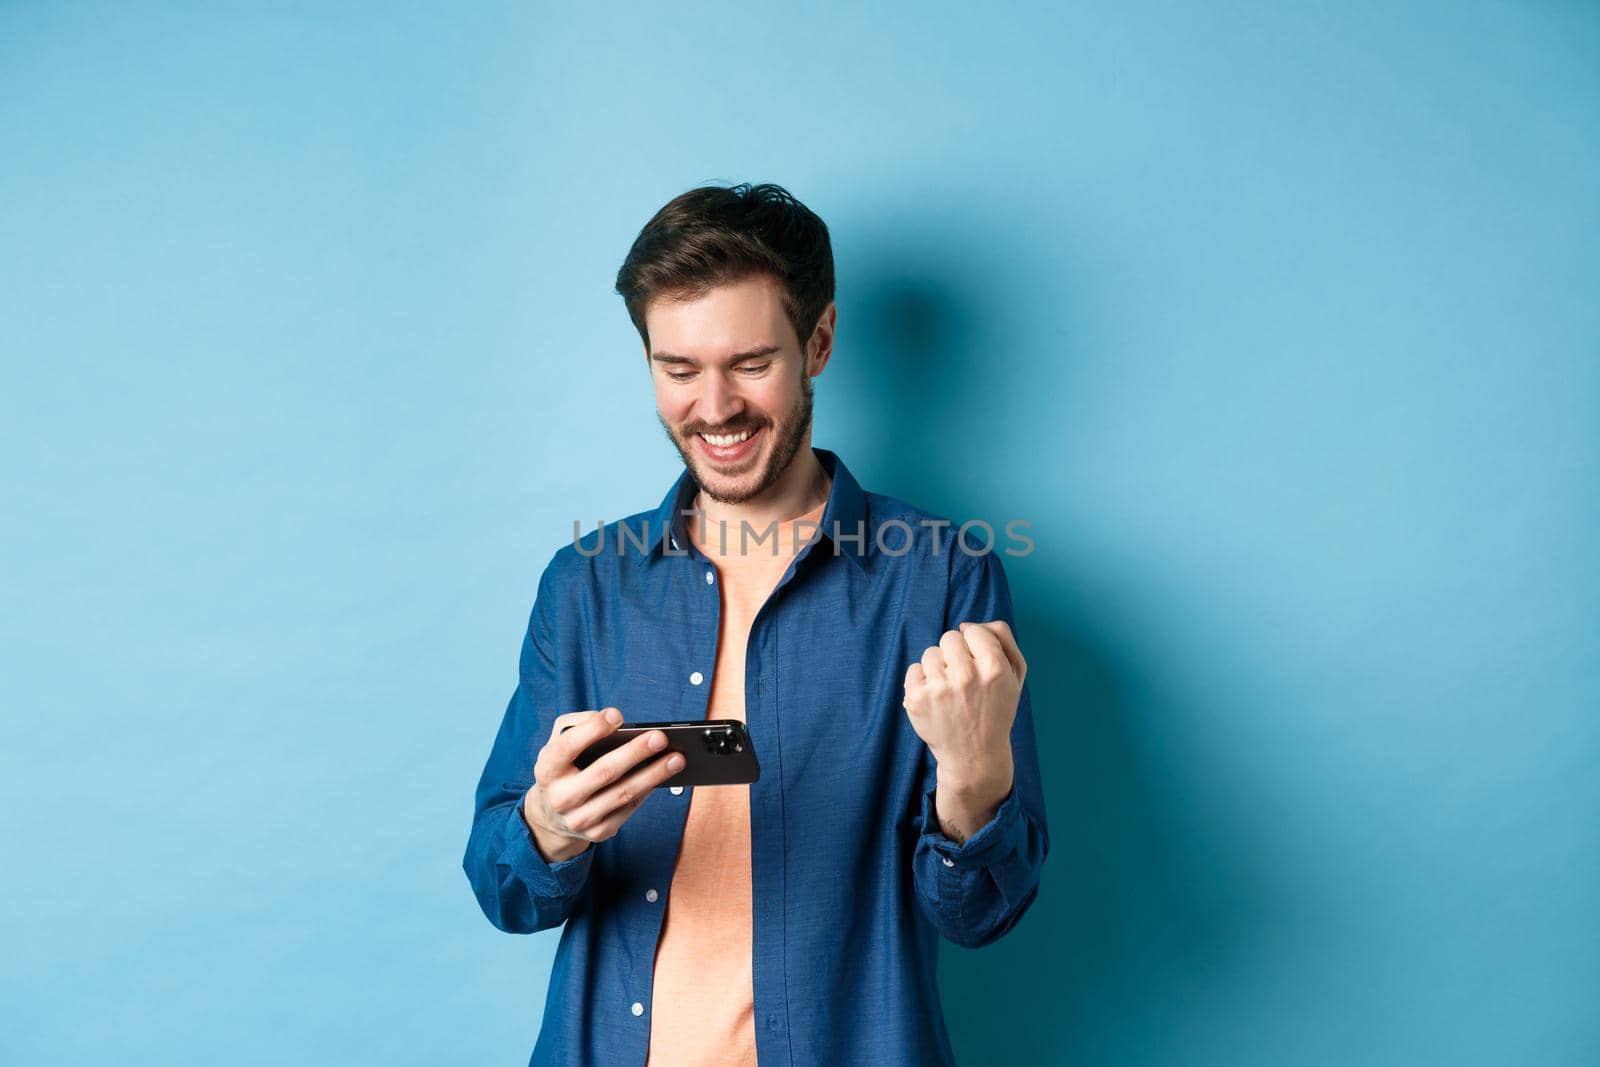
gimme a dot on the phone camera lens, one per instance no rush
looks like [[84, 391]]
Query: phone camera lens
[[721, 742]]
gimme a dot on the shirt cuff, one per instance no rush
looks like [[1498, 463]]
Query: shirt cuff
[[543, 878], [994, 839]]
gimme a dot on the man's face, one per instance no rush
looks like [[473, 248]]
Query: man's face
[[728, 364]]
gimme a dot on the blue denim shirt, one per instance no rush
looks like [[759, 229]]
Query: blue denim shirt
[[853, 883]]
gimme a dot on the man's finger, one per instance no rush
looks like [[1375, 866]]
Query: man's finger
[[615, 765], [566, 745], [631, 790], [958, 663], [573, 718], [986, 647], [609, 826], [567, 719], [1008, 641]]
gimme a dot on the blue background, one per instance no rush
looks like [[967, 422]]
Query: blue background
[[1278, 322]]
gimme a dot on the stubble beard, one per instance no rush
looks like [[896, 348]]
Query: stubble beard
[[788, 434]]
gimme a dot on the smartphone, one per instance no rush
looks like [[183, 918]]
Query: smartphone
[[715, 751]]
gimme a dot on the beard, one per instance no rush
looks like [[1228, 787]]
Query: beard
[[787, 434]]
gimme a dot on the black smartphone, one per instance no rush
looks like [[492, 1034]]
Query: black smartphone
[[715, 751]]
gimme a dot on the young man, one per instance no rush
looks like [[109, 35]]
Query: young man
[[869, 652]]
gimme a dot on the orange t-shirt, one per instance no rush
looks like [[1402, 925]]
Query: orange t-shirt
[[703, 994]]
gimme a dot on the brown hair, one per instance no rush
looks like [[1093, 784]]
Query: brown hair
[[713, 235]]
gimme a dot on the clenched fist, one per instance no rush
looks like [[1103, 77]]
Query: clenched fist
[[961, 698]]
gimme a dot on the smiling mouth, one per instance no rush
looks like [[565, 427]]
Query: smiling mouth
[[726, 448], [726, 440]]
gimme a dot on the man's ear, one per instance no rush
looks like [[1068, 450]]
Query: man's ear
[[820, 347]]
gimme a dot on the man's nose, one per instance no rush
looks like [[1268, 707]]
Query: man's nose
[[719, 400]]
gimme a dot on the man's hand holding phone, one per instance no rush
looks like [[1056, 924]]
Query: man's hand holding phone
[[569, 808]]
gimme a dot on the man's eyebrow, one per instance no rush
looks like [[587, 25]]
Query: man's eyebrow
[[737, 357]]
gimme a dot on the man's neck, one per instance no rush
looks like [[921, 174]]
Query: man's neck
[[802, 488]]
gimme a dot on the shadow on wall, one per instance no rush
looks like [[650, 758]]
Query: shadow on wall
[[1132, 928]]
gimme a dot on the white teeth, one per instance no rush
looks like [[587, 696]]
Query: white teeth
[[724, 440]]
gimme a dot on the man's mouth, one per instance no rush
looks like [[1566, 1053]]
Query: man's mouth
[[731, 447]]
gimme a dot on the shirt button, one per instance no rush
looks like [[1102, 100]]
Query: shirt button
[[710, 577], [651, 895], [948, 862], [637, 1009], [677, 790], [696, 678]]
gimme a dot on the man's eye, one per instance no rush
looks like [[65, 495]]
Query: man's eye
[[755, 368], [680, 375]]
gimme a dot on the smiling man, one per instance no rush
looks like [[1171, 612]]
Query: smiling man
[[869, 652]]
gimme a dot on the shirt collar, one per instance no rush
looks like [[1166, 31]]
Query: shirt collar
[[846, 512]]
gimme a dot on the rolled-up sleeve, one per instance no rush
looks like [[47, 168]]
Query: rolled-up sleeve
[[977, 890]]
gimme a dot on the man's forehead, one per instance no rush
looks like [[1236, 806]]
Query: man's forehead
[[739, 320]]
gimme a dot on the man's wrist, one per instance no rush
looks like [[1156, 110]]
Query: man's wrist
[[964, 803], [552, 847], [975, 782]]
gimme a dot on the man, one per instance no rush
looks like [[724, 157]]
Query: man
[[795, 921]]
